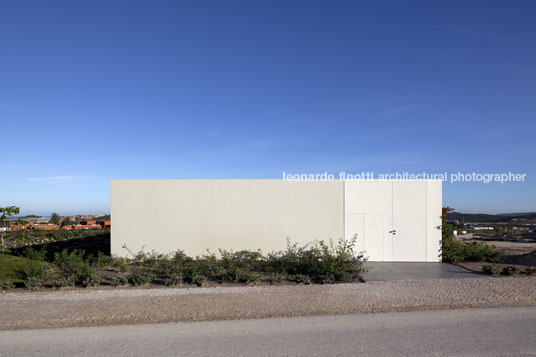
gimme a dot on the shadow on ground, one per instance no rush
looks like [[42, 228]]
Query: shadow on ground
[[92, 245]]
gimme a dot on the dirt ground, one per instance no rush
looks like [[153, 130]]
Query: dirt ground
[[519, 254], [133, 306]]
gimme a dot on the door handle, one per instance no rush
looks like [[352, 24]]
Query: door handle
[[393, 232]]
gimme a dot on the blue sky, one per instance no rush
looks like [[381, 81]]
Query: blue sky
[[97, 90]]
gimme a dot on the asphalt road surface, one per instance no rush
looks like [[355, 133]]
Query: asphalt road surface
[[490, 331]]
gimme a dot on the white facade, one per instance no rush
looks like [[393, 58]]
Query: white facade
[[393, 220]]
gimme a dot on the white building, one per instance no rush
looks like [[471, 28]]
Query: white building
[[393, 220]]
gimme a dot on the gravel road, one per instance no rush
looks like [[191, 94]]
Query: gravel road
[[132, 306], [468, 332]]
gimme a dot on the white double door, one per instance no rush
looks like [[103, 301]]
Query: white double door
[[392, 221]]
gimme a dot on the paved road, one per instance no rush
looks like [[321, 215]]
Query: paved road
[[490, 331]]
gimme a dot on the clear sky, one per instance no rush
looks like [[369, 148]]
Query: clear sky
[[97, 90]]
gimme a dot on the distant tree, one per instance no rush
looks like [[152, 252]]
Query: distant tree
[[445, 229], [55, 219], [66, 222], [22, 222], [7, 212]]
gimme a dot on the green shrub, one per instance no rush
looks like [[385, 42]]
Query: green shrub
[[455, 250], [510, 270], [120, 262], [32, 283], [87, 276], [64, 281], [240, 267], [166, 268], [491, 270], [35, 270], [322, 262], [69, 261], [193, 276], [33, 254], [173, 279], [530, 270], [275, 278], [76, 268], [119, 280], [141, 277], [241, 275], [146, 259], [301, 279], [7, 285], [198, 279], [102, 260], [34, 275]]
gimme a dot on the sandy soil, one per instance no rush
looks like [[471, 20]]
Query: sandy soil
[[520, 254], [509, 247], [130, 306]]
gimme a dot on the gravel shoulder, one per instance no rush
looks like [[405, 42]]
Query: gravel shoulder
[[134, 306]]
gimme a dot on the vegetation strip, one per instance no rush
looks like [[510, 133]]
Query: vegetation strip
[[318, 262]]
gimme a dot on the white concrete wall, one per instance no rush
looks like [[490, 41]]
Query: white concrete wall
[[395, 220], [196, 215], [434, 202]]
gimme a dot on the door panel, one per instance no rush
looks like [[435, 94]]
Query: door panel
[[368, 197], [374, 209], [409, 221], [373, 237], [387, 238]]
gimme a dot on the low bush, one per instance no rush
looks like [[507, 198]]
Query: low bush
[[192, 276], [146, 259], [70, 261], [530, 270], [141, 277], [102, 260], [35, 271], [64, 281], [87, 276], [240, 267], [490, 270], [173, 279], [301, 279], [510, 270], [455, 251], [7, 285], [198, 279], [120, 262], [274, 278], [322, 262], [32, 283], [74, 267], [119, 280], [34, 275], [33, 254], [319, 262]]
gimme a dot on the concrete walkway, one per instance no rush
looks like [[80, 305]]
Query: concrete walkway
[[387, 271]]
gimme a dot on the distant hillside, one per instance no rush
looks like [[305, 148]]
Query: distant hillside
[[102, 218], [490, 218], [516, 214]]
